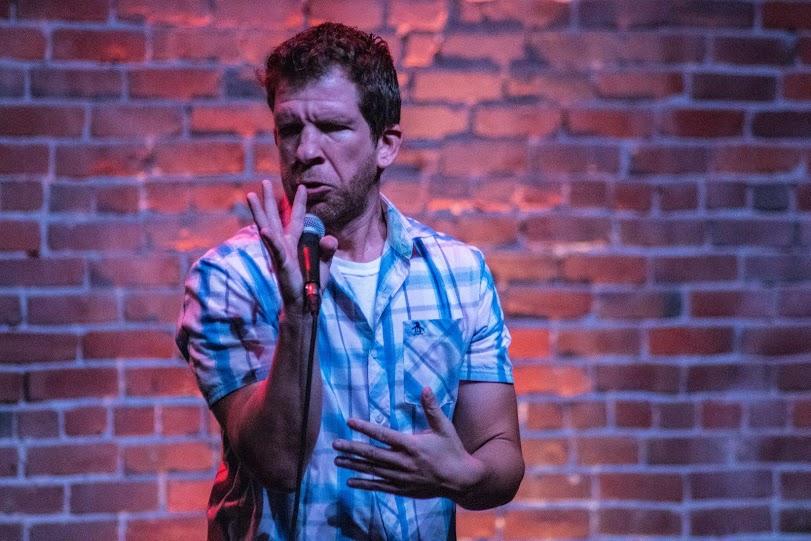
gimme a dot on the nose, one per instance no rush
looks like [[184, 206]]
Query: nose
[[308, 150]]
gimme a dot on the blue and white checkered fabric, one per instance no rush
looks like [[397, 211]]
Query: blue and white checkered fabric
[[436, 321]]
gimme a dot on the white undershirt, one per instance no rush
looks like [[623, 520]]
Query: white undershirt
[[362, 281]]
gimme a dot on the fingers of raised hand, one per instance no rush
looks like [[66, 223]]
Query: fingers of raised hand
[[378, 432], [356, 455]]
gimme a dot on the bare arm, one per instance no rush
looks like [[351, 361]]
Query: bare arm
[[263, 420]]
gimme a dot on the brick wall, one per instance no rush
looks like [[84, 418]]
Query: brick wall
[[636, 172]]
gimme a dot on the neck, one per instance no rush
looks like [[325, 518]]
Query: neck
[[363, 238]]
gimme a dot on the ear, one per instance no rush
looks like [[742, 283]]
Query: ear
[[388, 146]]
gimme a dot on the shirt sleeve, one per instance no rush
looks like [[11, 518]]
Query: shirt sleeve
[[228, 326], [487, 358]]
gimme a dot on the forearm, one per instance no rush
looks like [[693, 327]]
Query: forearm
[[499, 468], [268, 436]]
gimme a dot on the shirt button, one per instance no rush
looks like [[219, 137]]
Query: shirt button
[[379, 418]]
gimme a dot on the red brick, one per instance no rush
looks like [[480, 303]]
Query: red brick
[[187, 494], [529, 342], [785, 124], [604, 450], [31, 500], [575, 158], [74, 531], [795, 485], [703, 123], [795, 520], [152, 307], [201, 44], [638, 84], [551, 487], [554, 523], [9, 530], [561, 381], [791, 15], [37, 424], [740, 158], [730, 521], [746, 232], [623, 15], [182, 12], [804, 50], [545, 302], [266, 157], [587, 415], [166, 529], [736, 303], [433, 121], [680, 196], [610, 122], [12, 82], [197, 232], [622, 521], [161, 381], [645, 487], [801, 414], [480, 229], [134, 421], [426, 15], [455, 86], [477, 157], [690, 340], [588, 194], [76, 459], [41, 272], [724, 377], [537, 14], [169, 457], [776, 449], [86, 421], [596, 342], [721, 415], [11, 387], [554, 229], [110, 235], [237, 119], [199, 157], [10, 310], [605, 269], [705, 450], [101, 160], [22, 43], [72, 383], [672, 160], [725, 195], [23, 158], [31, 347], [559, 88], [76, 83], [662, 232], [173, 83], [751, 51], [544, 416], [70, 197], [676, 415], [768, 414], [65, 309], [19, 235], [730, 87], [92, 10], [633, 414], [632, 196], [637, 377], [135, 121], [780, 267], [147, 271], [796, 86], [129, 344], [497, 47], [777, 340], [794, 302], [9, 459], [114, 497], [181, 420], [365, 14], [704, 268], [98, 45], [21, 195], [545, 452]]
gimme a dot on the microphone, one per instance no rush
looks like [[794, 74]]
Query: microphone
[[309, 260]]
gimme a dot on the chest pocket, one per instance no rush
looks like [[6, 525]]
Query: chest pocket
[[433, 353]]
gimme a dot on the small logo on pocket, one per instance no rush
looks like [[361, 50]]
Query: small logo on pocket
[[417, 329]]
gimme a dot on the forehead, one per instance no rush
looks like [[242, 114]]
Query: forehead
[[333, 91]]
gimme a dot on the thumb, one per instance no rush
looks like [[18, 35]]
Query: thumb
[[433, 413]]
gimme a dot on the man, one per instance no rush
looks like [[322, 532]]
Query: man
[[412, 406]]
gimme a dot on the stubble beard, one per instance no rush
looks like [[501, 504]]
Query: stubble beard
[[342, 204]]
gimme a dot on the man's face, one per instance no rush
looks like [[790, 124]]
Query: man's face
[[326, 145]]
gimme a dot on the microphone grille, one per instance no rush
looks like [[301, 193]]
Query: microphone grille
[[313, 224]]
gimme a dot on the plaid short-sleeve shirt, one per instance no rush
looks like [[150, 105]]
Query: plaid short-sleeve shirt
[[436, 321]]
